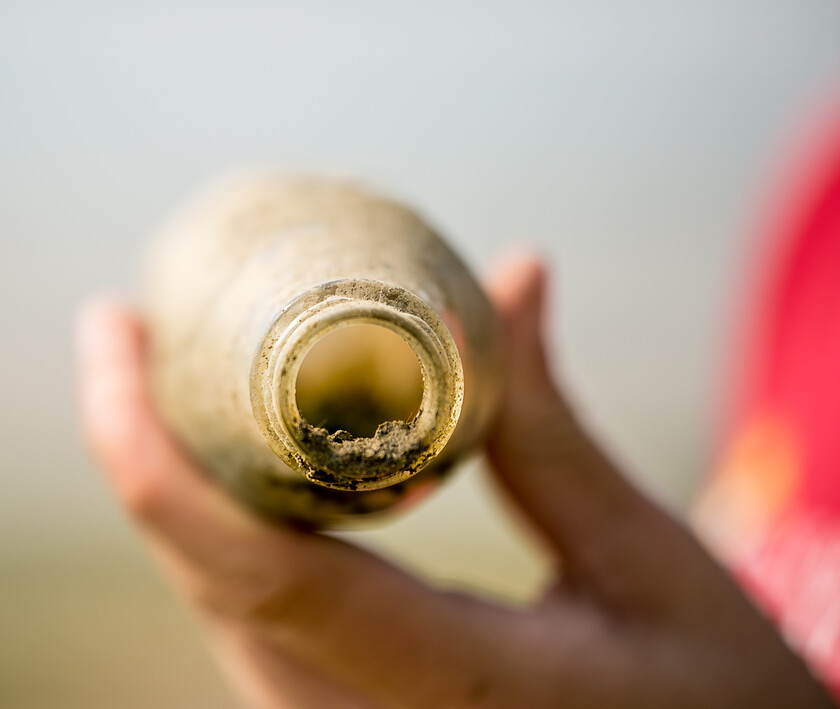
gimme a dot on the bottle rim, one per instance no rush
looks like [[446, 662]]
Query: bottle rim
[[398, 449]]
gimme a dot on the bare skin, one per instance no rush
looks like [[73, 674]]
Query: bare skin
[[641, 617]]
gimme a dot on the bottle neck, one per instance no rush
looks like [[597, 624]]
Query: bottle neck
[[356, 377]]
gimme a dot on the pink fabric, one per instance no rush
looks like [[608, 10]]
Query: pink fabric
[[795, 577], [791, 376]]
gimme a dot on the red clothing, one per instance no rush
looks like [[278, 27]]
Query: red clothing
[[775, 501]]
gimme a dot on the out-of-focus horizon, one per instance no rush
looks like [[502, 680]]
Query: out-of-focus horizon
[[629, 142]]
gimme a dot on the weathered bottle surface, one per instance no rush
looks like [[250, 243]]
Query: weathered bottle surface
[[318, 349]]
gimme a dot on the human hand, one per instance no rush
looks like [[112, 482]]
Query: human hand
[[640, 616]]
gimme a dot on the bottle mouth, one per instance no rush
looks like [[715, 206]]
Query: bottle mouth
[[357, 377], [353, 352]]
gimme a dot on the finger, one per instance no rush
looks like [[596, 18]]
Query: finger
[[365, 624], [612, 540], [150, 474]]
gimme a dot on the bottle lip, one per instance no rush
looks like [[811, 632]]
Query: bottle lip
[[398, 449]]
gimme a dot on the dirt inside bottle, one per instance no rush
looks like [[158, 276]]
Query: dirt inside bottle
[[357, 378]]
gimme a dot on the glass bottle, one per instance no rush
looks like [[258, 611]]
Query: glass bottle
[[317, 348]]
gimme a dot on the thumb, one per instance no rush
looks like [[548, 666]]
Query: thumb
[[612, 541]]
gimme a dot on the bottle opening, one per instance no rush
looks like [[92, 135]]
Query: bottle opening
[[357, 377], [358, 385]]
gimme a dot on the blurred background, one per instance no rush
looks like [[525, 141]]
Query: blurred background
[[628, 141]]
